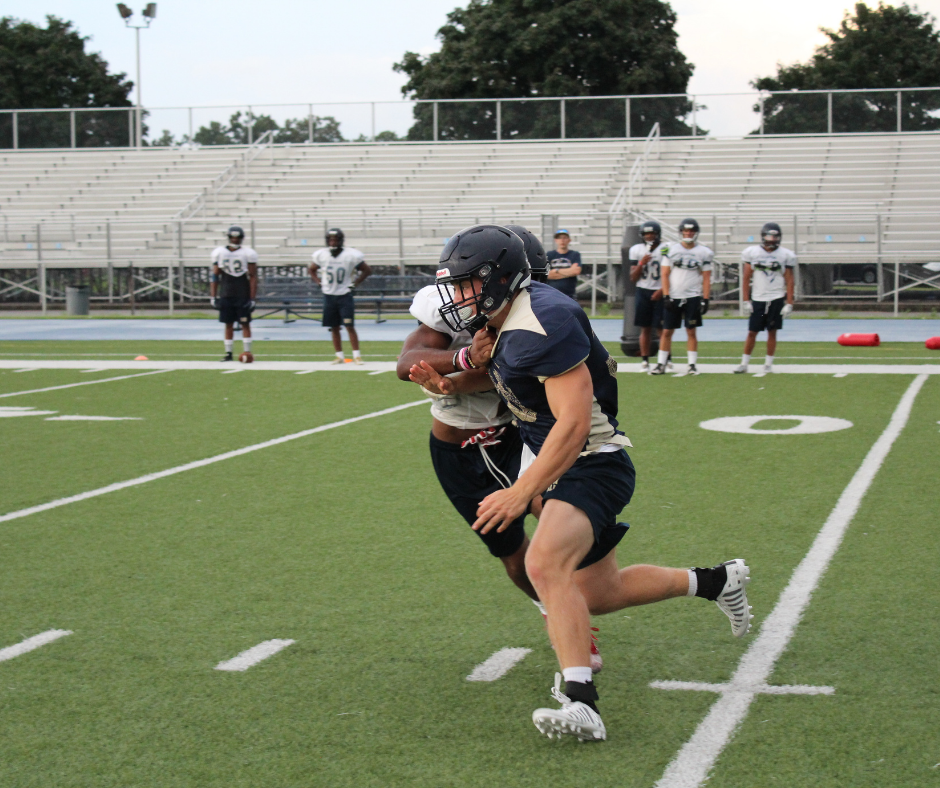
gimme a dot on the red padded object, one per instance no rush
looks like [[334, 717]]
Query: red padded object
[[859, 340], [933, 343]]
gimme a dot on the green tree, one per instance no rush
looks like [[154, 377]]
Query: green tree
[[294, 130], [529, 48], [883, 47], [48, 67]]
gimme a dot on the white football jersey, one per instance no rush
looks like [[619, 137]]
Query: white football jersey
[[337, 273], [650, 279], [464, 411], [767, 282], [234, 263], [685, 268]]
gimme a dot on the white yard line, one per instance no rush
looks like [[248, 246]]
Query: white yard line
[[83, 383], [499, 664], [200, 463], [32, 643], [692, 764], [254, 655]]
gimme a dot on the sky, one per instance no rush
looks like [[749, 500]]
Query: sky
[[234, 52]]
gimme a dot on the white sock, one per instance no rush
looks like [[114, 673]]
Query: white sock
[[356, 354], [246, 343], [582, 675], [693, 357], [340, 356], [540, 606], [693, 583], [769, 361], [745, 359], [229, 343], [662, 356]]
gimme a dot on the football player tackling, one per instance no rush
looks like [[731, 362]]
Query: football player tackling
[[560, 383]]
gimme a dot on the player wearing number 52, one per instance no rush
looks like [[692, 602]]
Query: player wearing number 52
[[232, 288], [340, 271]]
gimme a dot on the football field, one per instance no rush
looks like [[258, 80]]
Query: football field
[[157, 524]]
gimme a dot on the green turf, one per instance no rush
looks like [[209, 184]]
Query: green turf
[[344, 542]]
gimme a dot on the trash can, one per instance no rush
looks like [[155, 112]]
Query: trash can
[[76, 299]]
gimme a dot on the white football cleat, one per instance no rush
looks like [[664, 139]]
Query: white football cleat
[[659, 369], [645, 366], [732, 601], [574, 718], [357, 360], [669, 366], [768, 368], [740, 369], [338, 361], [693, 370]]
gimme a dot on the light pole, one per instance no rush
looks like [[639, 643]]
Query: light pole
[[149, 14]]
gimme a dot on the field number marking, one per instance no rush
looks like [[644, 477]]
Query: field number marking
[[695, 760], [254, 655], [150, 477], [31, 644], [744, 425], [499, 664]]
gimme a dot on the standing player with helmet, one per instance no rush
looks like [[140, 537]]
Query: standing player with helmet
[[561, 385], [343, 271], [767, 290], [686, 279], [233, 287], [645, 270]]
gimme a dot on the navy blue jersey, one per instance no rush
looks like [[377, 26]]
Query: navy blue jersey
[[557, 261], [547, 334]]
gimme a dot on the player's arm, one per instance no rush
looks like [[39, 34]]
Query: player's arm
[[789, 279], [426, 344], [746, 282], [364, 271], [706, 284], [665, 269], [213, 283], [570, 397], [429, 379], [314, 268], [636, 268], [252, 281]]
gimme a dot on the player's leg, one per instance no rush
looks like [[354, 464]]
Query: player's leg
[[349, 321], [229, 340], [748, 349], [337, 345], [771, 349], [354, 342], [665, 347], [692, 345], [515, 570], [607, 588]]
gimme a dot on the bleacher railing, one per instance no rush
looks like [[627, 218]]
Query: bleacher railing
[[883, 110]]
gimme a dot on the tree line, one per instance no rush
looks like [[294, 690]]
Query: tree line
[[517, 49]]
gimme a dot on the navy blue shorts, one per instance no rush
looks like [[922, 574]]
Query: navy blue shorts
[[766, 315], [688, 309], [234, 310], [600, 485], [466, 479], [339, 310], [649, 313]]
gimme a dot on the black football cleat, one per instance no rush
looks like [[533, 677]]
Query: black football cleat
[[227, 357]]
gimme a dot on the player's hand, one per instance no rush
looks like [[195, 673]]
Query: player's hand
[[704, 306], [787, 310], [645, 259], [251, 305], [657, 295], [748, 308], [427, 377], [212, 302], [669, 302], [499, 510], [482, 348]]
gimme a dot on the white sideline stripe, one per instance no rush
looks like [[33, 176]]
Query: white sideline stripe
[[30, 644], [200, 463], [26, 369], [93, 418], [499, 664], [254, 655], [695, 760], [83, 383], [760, 689]]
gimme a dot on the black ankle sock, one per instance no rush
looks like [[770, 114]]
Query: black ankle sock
[[646, 359], [710, 581], [585, 692]]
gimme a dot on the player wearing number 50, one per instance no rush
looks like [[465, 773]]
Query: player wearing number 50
[[233, 286], [344, 269], [767, 291]]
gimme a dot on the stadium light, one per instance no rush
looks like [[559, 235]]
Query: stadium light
[[149, 14]]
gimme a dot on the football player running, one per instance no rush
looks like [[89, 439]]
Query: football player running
[[233, 287], [645, 271], [344, 269], [560, 383], [475, 448], [686, 279], [767, 291]]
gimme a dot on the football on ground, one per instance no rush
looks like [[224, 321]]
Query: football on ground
[[246, 358]]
